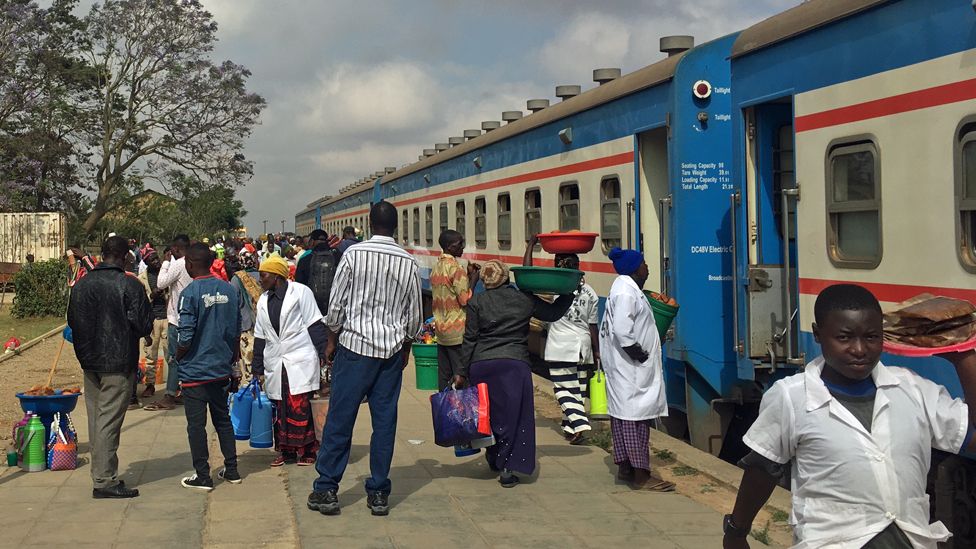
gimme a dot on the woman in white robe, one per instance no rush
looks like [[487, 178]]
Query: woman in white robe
[[630, 348], [289, 346]]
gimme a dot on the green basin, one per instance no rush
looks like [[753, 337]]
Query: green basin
[[547, 280]]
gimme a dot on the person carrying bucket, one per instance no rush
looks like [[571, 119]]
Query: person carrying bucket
[[630, 347], [208, 349]]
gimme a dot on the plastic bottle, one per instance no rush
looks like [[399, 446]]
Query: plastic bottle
[[33, 444], [261, 422]]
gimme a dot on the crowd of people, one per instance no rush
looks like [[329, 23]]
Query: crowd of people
[[332, 314]]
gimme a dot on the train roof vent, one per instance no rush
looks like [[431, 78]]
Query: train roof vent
[[390, 169], [471, 134], [673, 45], [566, 91], [536, 105], [442, 146], [378, 174], [429, 152], [489, 125], [455, 141], [602, 76], [421, 157], [511, 116]]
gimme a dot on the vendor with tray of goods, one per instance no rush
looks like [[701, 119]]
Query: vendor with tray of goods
[[858, 434]]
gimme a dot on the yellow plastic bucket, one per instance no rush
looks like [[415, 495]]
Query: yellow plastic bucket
[[598, 395]]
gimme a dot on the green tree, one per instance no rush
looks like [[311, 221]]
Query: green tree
[[162, 103]]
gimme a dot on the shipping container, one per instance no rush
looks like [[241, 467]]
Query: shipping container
[[41, 234]]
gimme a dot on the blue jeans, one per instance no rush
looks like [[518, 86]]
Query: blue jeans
[[172, 376], [353, 377]]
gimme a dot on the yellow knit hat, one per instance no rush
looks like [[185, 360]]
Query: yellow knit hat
[[274, 265]]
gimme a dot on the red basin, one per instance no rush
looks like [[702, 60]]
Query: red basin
[[568, 243]]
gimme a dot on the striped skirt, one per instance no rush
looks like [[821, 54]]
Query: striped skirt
[[569, 383]]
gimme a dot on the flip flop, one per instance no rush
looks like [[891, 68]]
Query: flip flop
[[656, 485]]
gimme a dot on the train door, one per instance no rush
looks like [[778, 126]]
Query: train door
[[656, 241], [771, 293], [655, 201]]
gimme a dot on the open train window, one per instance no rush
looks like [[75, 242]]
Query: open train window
[[416, 226], [533, 213], [610, 212], [480, 222], [854, 204], [406, 226], [460, 218], [966, 194], [504, 220], [429, 225], [442, 219], [569, 214]]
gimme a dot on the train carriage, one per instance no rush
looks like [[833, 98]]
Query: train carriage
[[854, 119]]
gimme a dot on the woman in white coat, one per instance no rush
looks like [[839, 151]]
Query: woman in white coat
[[630, 348], [289, 347]]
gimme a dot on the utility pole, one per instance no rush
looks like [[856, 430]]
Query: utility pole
[[265, 226], [282, 226]]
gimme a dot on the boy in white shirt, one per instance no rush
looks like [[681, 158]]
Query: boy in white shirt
[[859, 435]]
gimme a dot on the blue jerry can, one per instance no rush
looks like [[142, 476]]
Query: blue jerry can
[[261, 421], [240, 410]]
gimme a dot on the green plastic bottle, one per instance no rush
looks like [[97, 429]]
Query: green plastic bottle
[[33, 445]]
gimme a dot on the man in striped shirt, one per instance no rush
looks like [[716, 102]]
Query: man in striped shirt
[[374, 315]]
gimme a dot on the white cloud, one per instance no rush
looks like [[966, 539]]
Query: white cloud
[[357, 99], [590, 40]]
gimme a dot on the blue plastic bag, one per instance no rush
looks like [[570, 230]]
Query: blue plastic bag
[[460, 415]]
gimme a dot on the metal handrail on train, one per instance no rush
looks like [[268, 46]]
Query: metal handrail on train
[[785, 195], [665, 221], [735, 198]]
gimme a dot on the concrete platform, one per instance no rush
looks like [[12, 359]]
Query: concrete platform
[[437, 499]]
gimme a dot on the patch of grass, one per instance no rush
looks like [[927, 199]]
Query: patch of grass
[[780, 516], [664, 454], [707, 488], [684, 471], [762, 535], [24, 329], [601, 438]]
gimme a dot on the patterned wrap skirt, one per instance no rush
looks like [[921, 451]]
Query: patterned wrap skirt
[[294, 432]]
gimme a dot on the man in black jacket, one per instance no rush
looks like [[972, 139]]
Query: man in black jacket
[[108, 313]]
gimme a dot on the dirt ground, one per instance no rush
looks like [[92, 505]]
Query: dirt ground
[[31, 368], [690, 482]]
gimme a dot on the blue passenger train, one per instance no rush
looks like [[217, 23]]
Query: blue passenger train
[[834, 142]]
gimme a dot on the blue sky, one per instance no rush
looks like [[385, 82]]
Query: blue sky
[[356, 86]]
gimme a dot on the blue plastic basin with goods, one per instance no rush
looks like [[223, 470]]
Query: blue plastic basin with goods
[[46, 406]]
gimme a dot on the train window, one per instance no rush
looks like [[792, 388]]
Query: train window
[[966, 195], [442, 220], [533, 213], [504, 220], [460, 218], [416, 225], [854, 205], [480, 222], [406, 226], [610, 231], [429, 225], [569, 217]]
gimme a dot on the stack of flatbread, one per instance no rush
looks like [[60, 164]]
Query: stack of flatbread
[[930, 321]]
